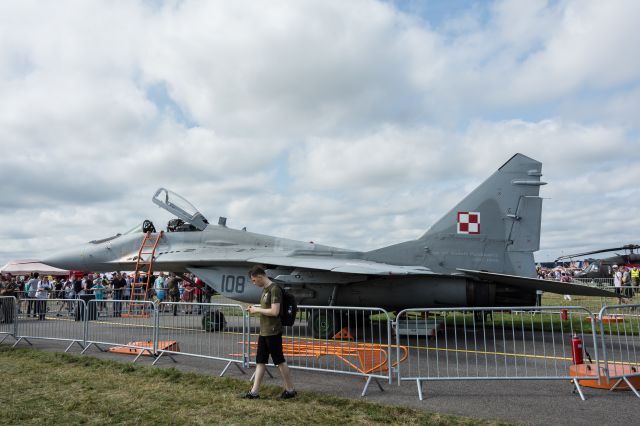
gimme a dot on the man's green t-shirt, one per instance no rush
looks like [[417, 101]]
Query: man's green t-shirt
[[270, 326]]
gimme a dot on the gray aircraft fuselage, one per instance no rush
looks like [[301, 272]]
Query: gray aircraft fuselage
[[192, 251], [480, 253]]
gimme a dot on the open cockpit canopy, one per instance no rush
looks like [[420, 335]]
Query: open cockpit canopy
[[180, 207], [188, 217]]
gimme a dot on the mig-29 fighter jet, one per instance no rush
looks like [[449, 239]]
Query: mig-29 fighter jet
[[480, 253]]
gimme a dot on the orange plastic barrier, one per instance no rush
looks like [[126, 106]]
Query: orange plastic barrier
[[343, 334], [608, 319], [589, 370], [364, 357], [146, 348]]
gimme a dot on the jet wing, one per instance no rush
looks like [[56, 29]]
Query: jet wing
[[346, 266], [536, 284]]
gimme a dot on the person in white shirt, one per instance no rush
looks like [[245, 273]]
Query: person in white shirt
[[31, 287], [42, 294], [617, 280]]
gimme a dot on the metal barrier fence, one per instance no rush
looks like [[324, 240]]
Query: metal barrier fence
[[430, 344], [8, 323], [620, 339], [50, 319], [342, 340], [627, 294], [492, 343], [205, 330], [598, 282], [125, 328]]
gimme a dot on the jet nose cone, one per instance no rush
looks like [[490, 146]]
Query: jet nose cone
[[66, 259]]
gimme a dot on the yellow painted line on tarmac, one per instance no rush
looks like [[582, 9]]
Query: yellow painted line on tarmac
[[478, 352], [103, 322]]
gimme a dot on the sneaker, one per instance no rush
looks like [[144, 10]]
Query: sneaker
[[250, 395], [288, 395]]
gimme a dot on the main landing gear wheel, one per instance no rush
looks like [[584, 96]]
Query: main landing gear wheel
[[324, 324], [213, 321], [358, 319]]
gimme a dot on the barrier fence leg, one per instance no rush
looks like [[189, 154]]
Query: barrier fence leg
[[20, 339], [6, 335], [240, 368], [72, 343], [224, 370], [366, 386], [579, 389], [616, 384], [92, 344], [631, 386], [419, 383], [237, 365], [163, 353], [142, 353]]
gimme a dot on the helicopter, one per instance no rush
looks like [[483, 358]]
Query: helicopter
[[603, 268]]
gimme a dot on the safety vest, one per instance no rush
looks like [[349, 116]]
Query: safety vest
[[635, 273]]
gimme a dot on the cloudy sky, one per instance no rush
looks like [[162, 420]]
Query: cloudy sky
[[352, 123]]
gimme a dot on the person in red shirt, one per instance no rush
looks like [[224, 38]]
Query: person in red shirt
[[187, 296]]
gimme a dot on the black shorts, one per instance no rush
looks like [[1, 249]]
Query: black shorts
[[270, 345]]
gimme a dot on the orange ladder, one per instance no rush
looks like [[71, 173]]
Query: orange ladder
[[137, 307]]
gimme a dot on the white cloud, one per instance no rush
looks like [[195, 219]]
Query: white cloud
[[386, 159], [349, 123], [285, 67], [564, 147], [594, 47]]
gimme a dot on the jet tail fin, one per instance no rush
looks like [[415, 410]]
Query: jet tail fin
[[494, 228], [497, 226], [506, 207]]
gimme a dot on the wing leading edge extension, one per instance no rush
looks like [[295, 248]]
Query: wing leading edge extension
[[536, 284], [346, 266]]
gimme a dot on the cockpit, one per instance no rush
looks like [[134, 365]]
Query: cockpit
[[189, 219]]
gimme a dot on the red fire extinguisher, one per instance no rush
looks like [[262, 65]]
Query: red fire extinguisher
[[563, 315], [576, 350]]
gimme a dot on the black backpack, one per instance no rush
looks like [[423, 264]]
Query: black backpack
[[288, 308]]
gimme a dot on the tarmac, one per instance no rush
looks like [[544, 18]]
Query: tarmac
[[535, 402]]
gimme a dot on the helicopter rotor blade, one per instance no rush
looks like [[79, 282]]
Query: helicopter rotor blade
[[630, 247]]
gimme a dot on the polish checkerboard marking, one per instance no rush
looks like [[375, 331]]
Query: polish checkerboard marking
[[468, 222]]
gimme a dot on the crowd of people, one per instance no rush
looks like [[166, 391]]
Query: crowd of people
[[558, 273], [625, 279], [35, 290]]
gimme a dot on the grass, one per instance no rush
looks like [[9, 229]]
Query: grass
[[57, 388]]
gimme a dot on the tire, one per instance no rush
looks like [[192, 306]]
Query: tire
[[323, 324], [358, 320], [213, 321]]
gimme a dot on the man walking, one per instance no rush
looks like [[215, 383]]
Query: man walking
[[270, 339]]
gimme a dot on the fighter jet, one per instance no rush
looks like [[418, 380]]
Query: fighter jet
[[480, 253]]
